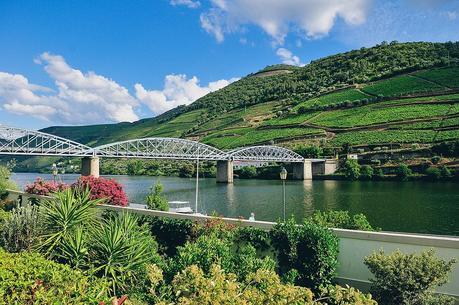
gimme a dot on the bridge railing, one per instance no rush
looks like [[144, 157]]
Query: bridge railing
[[353, 245]]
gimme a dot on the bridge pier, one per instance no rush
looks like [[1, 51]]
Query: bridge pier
[[90, 166], [303, 170], [225, 171], [326, 167]]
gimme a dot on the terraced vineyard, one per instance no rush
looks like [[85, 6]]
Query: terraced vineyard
[[404, 84], [410, 96]]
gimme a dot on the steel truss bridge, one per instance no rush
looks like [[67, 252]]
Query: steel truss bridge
[[17, 141]]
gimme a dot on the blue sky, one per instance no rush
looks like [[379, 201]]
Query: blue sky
[[87, 62]]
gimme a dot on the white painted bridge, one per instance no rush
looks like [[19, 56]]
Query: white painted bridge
[[18, 141]]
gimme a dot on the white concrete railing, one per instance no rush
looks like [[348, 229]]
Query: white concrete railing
[[353, 245]]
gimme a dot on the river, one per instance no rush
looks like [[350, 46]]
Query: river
[[418, 207]]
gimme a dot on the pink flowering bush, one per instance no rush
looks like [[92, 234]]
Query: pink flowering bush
[[42, 187], [104, 188]]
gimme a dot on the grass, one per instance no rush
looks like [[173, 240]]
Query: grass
[[448, 77], [367, 115], [334, 98], [246, 136], [401, 85], [177, 126]]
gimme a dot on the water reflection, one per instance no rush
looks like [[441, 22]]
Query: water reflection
[[409, 206]]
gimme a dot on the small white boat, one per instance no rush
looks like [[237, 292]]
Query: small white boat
[[180, 207]]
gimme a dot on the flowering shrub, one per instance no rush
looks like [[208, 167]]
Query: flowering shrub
[[104, 188], [42, 187]]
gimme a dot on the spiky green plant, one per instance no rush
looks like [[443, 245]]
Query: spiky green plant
[[63, 215], [121, 249]]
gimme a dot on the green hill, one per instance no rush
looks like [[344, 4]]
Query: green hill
[[397, 93]]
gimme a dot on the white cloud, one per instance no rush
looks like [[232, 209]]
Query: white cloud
[[87, 98], [313, 18], [288, 58], [81, 98], [188, 3], [178, 90]]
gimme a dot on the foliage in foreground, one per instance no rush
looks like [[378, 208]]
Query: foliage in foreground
[[155, 199], [408, 279], [28, 278], [342, 219], [20, 229], [307, 254], [192, 286]]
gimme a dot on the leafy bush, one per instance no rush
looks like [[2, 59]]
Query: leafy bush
[[102, 188], [44, 188], [366, 172], [155, 200], [192, 286], [28, 278], [351, 169], [309, 151], [403, 172], [310, 249], [170, 233], [445, 172], [258, 238], [248, 172], [204, 252], [21, 229], [337, 295], [433, 173], [407, 278], [342, 220], [5, 182]]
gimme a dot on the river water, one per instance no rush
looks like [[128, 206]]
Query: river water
[[418, 207]]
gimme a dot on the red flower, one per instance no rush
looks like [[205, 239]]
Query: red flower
[[42, 187], [104, 188]]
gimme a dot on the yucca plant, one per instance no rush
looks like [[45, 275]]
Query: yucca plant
[[74, 248], [120, 250], [64, 216]]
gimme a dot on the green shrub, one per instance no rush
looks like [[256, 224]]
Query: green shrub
[[170, 233], [309, 151], [433, 173], [366, 172], [342, 220], [192, 286], [310, 249], [378, 173], [5, 182], [351, 169], [337, 295], [256, 237], [64, 214], [445, 172], [28, 278], [155, 200], [248, 172], [204, 252], [120, 251], [407, 279], [403, 172], [21, 229]]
